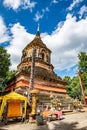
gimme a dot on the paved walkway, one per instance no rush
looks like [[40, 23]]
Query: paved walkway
[[77, 121]]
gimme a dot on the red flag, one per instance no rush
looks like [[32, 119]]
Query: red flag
[[79, 73]]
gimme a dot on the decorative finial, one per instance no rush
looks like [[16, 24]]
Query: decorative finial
[[38, 29]]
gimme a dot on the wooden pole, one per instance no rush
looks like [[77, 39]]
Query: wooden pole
[[32, 75], [82, 87]]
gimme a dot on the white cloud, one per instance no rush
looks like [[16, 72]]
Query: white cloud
[[15, 4], [66, 42], [83, 10], [38, 16], [27, 4], [74, 3], [45, 10], [12, 4], [68, 39], [3, 31], [20, 37], [55, 1]]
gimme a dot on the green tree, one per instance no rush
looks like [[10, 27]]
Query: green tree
[[4, 62], [84, 81], [4, 66], [11, 74], [73, 87], [76, 89], [82, 66], [67, 79], [5, 73], [68, 87], [73, 84]]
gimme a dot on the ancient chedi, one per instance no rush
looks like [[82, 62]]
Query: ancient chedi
[[45, 79]]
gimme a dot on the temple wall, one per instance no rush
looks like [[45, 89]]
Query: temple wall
[[49, 83], [36, 86], [48, 67], [38, 64]]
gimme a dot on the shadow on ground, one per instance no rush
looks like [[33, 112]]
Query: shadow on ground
[[67, 126], [4, 127], [48, 126], [60, 126]]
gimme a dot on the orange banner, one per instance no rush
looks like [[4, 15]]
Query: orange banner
[[14, 109]]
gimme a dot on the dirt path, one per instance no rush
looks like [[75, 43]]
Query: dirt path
[[77, 121]]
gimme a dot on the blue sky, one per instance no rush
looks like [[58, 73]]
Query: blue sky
[[63, 28]]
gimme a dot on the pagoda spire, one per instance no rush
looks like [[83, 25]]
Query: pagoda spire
[[38, 31]]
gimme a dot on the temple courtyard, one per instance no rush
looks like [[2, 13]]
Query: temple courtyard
[[71, 121]]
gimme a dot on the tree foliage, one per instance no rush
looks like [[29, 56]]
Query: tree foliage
[[4, 66], [5, 73], [82, 64], [73, 87], [4, 62], [11, 74]]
